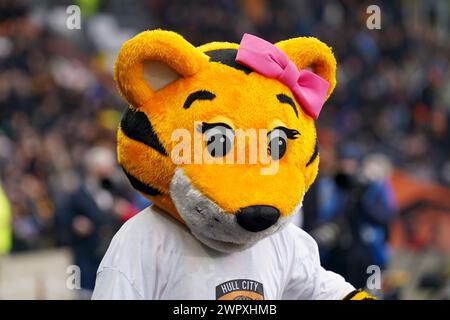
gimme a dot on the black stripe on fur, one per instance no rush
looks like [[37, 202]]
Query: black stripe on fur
[[142, 187], [227, 57], [315, 153], [137, 126]]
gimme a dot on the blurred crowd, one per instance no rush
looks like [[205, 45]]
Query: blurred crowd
[[59, 110]]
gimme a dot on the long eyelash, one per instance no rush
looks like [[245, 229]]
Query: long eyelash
[[204, 126], [290, 133]]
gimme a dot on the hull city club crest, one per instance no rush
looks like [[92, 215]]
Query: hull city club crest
[[240, 289]]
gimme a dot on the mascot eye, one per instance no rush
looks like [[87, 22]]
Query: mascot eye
[[219, 138], [278, 141]]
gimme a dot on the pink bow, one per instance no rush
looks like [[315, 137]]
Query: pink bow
[[309, 89]]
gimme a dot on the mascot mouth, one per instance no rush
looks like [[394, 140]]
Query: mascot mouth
[[218, 229]]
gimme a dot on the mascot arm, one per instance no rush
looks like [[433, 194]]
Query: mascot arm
[[359, 295]]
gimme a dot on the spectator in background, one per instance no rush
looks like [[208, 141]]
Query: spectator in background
[[5, 224], [348, 215], [392, 94], [91, 213]]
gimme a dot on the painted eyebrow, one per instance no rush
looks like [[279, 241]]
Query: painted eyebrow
[[198, 95], [286, 99]]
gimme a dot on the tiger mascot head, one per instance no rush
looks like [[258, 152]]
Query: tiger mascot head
[[223, 96]]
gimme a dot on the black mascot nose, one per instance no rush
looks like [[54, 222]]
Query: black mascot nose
[[257, 218]]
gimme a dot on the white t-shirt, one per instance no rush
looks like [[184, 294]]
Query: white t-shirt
[[155, 257]]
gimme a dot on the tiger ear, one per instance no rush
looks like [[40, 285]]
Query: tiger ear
[[309, 52], [151, 60]]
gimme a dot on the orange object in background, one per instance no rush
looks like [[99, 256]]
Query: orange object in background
[[424, 214]]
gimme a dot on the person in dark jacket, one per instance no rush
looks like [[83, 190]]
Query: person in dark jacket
[[89, 215]]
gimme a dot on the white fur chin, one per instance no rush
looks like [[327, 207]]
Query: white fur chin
[[210, 224]]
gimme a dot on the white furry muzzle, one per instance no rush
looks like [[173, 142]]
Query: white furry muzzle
[[211, 224]]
